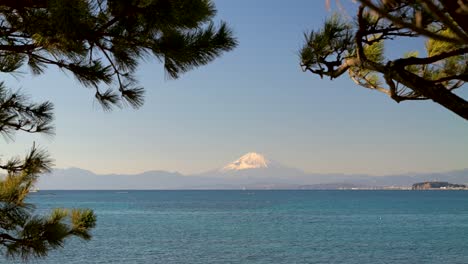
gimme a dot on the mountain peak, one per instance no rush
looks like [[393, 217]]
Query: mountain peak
[[250, 160]]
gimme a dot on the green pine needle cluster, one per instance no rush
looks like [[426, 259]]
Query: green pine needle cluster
[[328, 46], [17, 113], [102, 42], [22, 233]]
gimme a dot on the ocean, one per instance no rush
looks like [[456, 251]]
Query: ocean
[[201, 227]]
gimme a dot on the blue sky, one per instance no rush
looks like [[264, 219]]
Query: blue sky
[[255, 98]]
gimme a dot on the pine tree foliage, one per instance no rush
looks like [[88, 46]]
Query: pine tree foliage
[[101, 43], [17, 113], [358, 48], [22, 233]]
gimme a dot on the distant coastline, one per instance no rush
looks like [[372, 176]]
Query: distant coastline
[[273, 177]]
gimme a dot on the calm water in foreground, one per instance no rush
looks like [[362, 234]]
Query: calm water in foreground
[[266, 226]]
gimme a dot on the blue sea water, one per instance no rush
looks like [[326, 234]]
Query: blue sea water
[[201, 227]]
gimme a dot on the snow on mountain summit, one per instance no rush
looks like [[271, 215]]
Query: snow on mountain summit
[[250, 160]]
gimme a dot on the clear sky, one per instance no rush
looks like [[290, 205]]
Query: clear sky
[[255, 98]]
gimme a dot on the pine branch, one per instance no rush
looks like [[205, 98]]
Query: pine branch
[[19, 48], [18, 114], [428, 60], [443, 16], [413, 27], [461, 77], [421, 78]]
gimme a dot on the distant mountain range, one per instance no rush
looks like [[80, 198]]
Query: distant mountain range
[[251, 171]]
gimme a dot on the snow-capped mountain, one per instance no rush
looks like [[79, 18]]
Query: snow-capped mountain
[[255, 168], [250, 160]]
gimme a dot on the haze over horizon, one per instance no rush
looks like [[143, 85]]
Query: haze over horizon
[[248, 161], [252, 171], [255, 98]]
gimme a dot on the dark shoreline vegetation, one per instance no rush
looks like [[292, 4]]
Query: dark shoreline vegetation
[[438, 185]]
